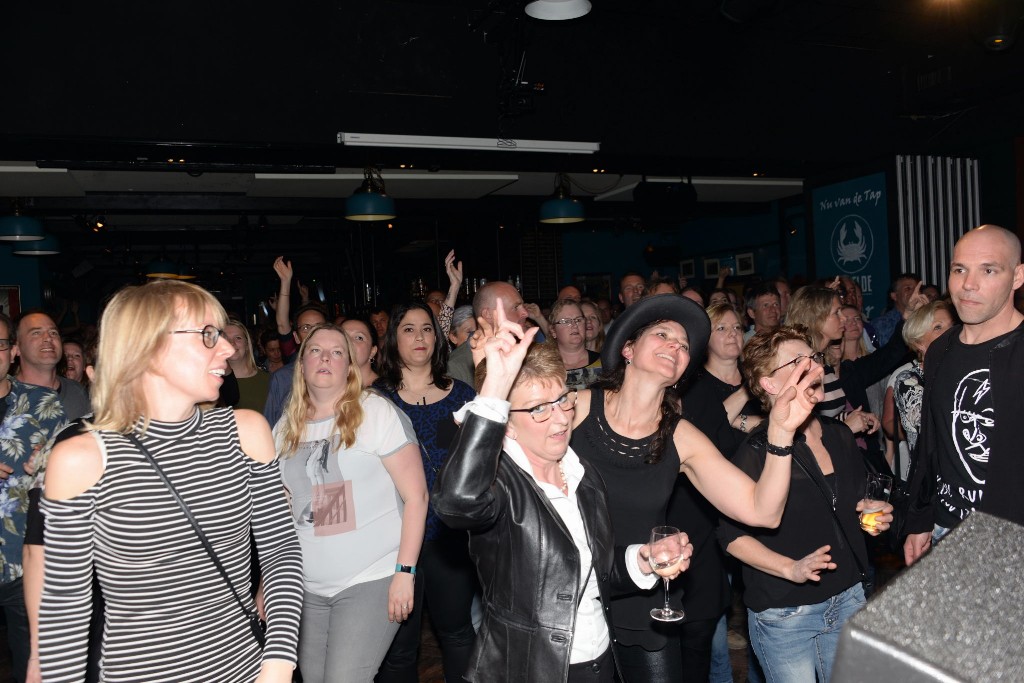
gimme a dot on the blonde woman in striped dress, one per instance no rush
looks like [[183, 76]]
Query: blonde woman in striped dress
[[170, 614]]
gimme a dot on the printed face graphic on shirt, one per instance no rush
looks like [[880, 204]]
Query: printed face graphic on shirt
[[973, 420]]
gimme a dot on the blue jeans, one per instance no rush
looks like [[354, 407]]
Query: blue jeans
[[795, 643], [721, 666]]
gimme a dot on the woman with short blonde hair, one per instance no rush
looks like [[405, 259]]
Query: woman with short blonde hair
[[110, 510]]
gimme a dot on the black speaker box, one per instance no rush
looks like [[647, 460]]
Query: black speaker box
[[956, 615]]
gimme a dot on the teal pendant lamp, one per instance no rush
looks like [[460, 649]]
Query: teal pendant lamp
[[48, 246], [162, 269], [370, 202], [18, 228], [561, 208]]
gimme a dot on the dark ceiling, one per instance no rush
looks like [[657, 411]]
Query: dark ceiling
[[787, 88]]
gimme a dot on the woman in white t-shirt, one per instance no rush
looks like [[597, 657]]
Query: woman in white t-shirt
[[354, 476]]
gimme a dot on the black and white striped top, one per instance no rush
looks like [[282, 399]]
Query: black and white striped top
[[169, 614]]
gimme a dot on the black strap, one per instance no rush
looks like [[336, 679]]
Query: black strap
[[249, 614], [897, 428], [828, 503]]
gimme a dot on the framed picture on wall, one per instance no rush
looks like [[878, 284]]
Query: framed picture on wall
[[687, 268], [595, 286], [745, 264], [10, 300], [710, 269]]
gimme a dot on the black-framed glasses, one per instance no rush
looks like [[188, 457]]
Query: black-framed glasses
[[542, 411], [818, 358], [5, 344], [211, 335]]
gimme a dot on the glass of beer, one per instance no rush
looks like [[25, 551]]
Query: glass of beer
[[876, 495]]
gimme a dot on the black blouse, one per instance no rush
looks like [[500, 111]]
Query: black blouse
[[807, 522]]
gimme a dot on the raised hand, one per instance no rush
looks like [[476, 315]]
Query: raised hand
[[303, 292], [797, 398], [283, 269], [503, 345], [454, 271], [917, 300], [810, 567]]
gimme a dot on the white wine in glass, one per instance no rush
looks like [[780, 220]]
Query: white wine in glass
[[666, 554]]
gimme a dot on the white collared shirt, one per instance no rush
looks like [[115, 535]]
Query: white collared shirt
[[590, 637]]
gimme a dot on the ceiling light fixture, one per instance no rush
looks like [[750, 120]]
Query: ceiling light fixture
[[18, 228], [557, 10], [162, 268], [561, 208], [370, 202], [447, 142], [48, 246]]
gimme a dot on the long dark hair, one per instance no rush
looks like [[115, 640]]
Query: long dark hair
[[390, 369], [671, 403]]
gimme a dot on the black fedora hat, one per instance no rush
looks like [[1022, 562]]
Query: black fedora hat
[[686, 312]]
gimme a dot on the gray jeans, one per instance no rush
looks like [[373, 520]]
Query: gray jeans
[[343, 638]]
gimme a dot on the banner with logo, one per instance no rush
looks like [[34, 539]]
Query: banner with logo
[[851, 236]]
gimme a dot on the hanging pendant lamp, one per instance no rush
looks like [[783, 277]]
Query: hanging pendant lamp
[[48, 246], [561, 208], [557, 10], [162, 269], [18, 228], [370, 202]]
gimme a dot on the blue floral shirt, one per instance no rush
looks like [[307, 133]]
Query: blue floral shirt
[[33, 414]]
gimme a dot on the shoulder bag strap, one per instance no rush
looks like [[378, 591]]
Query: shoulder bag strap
[[191, 520], [828, 503]]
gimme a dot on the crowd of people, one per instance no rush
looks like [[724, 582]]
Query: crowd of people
[[188, 498]]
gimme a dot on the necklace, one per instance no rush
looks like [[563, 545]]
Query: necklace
[[565, 482]]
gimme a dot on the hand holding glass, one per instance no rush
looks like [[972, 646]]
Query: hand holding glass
[[666, 552], [876, 495]]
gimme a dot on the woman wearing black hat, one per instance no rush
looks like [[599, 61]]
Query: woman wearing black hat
[[629, 428]]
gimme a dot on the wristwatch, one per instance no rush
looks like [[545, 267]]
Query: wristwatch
[[406, 568]]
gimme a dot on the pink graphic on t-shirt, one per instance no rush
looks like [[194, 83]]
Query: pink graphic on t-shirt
[[334, 510]]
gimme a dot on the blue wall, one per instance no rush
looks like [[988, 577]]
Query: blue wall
[[24, 271], [599, 250]]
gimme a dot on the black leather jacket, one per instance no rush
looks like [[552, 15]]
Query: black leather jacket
[[525, 557]]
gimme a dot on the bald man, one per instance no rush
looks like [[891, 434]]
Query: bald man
[[969, 444], [460, 362]]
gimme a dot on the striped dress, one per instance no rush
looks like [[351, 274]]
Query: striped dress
[[169, 613]]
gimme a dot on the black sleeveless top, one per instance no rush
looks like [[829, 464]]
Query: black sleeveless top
[[638, 497]]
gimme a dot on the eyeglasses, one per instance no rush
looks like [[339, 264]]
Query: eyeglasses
[[5, 344], [818, 358], [542, 411], [307, 327], [570, 322], [211, 335]]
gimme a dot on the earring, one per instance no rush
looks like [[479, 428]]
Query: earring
[[628, 361]]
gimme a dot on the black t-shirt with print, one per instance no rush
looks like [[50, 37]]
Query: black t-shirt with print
[[963, 413]]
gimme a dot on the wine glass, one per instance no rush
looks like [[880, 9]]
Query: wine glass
[[666, 554]]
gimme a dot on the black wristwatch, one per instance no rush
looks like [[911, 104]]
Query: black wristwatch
[[406, 568]]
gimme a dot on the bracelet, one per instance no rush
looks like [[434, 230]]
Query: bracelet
[[406, 568], [285, 295], [779, 450], [743, 422]]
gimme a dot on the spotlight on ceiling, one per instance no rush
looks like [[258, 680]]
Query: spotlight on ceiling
[[370, 202], [557, 10], [995, 23], [561, 208]]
